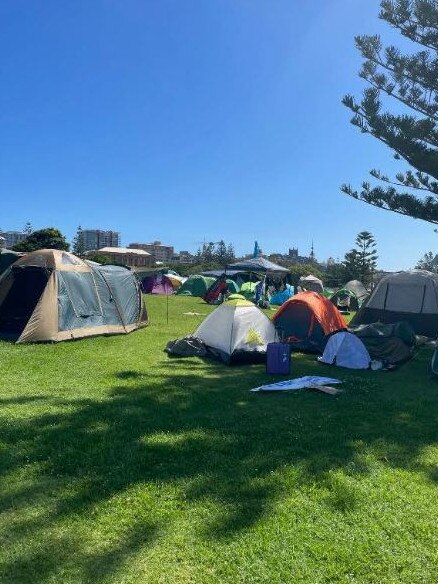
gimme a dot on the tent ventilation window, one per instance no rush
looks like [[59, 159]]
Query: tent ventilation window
[[69, 260], [81, 294]]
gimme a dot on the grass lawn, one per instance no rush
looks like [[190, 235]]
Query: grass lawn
[[120, 465]]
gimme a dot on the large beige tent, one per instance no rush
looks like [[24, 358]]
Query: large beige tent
[[52, 295]]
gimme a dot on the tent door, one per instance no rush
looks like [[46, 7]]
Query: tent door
[[19, 304]]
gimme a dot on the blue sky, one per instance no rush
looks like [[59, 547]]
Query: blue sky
[[181, 120]]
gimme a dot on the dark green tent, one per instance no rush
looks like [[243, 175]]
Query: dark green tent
[[195, 286], [345, 299], [393, 343]]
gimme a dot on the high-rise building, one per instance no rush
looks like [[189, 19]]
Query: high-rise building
[[12, 237], [92, 239], [161, 253]]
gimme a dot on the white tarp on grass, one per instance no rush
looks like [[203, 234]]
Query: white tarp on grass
[[298, 383]]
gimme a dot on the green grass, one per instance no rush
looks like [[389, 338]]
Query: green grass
[[121, 465]]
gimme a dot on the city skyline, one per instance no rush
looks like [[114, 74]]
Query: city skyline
[[192, 120], [289, 251]]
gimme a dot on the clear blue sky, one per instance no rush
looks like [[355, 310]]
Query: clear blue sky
[[183, 119]]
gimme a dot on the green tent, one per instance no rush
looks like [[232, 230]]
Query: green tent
[[195, 286], [248, 290], [232, 286], [345, 300]]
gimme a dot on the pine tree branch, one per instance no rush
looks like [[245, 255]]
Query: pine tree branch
[[408, 25], [383, 178], [401, 203], [411, 104], [412, 68], [372, 123]]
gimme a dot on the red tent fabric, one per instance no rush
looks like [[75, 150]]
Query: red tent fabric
[[306, 319]]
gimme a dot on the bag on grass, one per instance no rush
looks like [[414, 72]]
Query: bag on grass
[[186, 347]]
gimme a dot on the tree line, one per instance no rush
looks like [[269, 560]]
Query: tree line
[[359, 263]]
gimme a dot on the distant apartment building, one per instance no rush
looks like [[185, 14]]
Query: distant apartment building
[[12, 237], [93, 239], [161, 253], [127, 256], [185, 257]]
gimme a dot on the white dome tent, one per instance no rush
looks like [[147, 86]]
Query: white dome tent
[[238, 331]]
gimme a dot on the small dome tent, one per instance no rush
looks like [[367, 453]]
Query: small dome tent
[[175, 279], [306, 319], [410, 296], [248, 289], [238, 331], [280, 297], [219, 286], [52, 295], [157, 284], [344, 349], [311, 283], [196, 286], [345, 299], [358, 289]]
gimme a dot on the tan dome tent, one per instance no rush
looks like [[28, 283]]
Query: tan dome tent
[[404, 296], [52, 295], [311, 283]]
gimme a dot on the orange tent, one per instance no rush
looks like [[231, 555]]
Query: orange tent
[[306, 319]]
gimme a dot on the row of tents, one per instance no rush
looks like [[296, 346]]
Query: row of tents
[[401, 306], [52, 295], [211, 284], [238, 331]]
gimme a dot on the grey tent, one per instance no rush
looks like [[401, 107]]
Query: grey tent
[[311, 283], [404, 296], [358, 290], [52, 295], [7, 258], [258, 266]]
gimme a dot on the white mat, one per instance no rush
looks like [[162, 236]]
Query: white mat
[[298, 383]]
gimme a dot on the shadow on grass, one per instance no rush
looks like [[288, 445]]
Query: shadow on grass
[[199, 430], [25, 399]]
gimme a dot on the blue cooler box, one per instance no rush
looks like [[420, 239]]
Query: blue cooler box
[[278, 358]]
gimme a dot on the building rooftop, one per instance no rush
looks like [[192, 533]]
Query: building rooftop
[[124, 250]]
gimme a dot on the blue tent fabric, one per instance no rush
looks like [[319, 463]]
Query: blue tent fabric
[[281, 296], [345, 350]]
